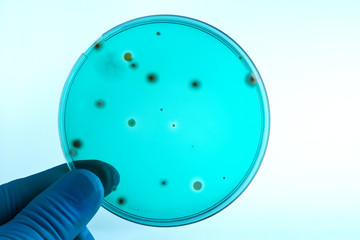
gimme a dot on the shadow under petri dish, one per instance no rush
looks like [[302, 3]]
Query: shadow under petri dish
[[196, 118]]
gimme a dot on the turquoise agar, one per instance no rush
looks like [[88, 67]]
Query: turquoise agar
[[197, 154]]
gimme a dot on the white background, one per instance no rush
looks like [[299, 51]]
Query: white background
[[308, 55]]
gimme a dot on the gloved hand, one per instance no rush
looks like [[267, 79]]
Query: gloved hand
[[57, 203]]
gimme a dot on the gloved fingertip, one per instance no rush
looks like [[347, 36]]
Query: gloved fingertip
[[107, 174], [83, 185]]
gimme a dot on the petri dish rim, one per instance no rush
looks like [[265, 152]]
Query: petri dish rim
[[264, 105]]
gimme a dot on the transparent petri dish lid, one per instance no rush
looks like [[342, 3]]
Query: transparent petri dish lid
[[177, 107]]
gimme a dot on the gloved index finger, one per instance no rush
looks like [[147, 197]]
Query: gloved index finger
[[15, 195], [108, 175]]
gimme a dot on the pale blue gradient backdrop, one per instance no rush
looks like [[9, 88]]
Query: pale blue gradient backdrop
[[308, 186]]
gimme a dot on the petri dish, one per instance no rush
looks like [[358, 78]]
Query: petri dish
[[177, 107]]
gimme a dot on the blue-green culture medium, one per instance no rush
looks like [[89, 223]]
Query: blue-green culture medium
[[177, 107]]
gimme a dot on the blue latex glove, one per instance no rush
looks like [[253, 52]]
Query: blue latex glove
[[55, 204]]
